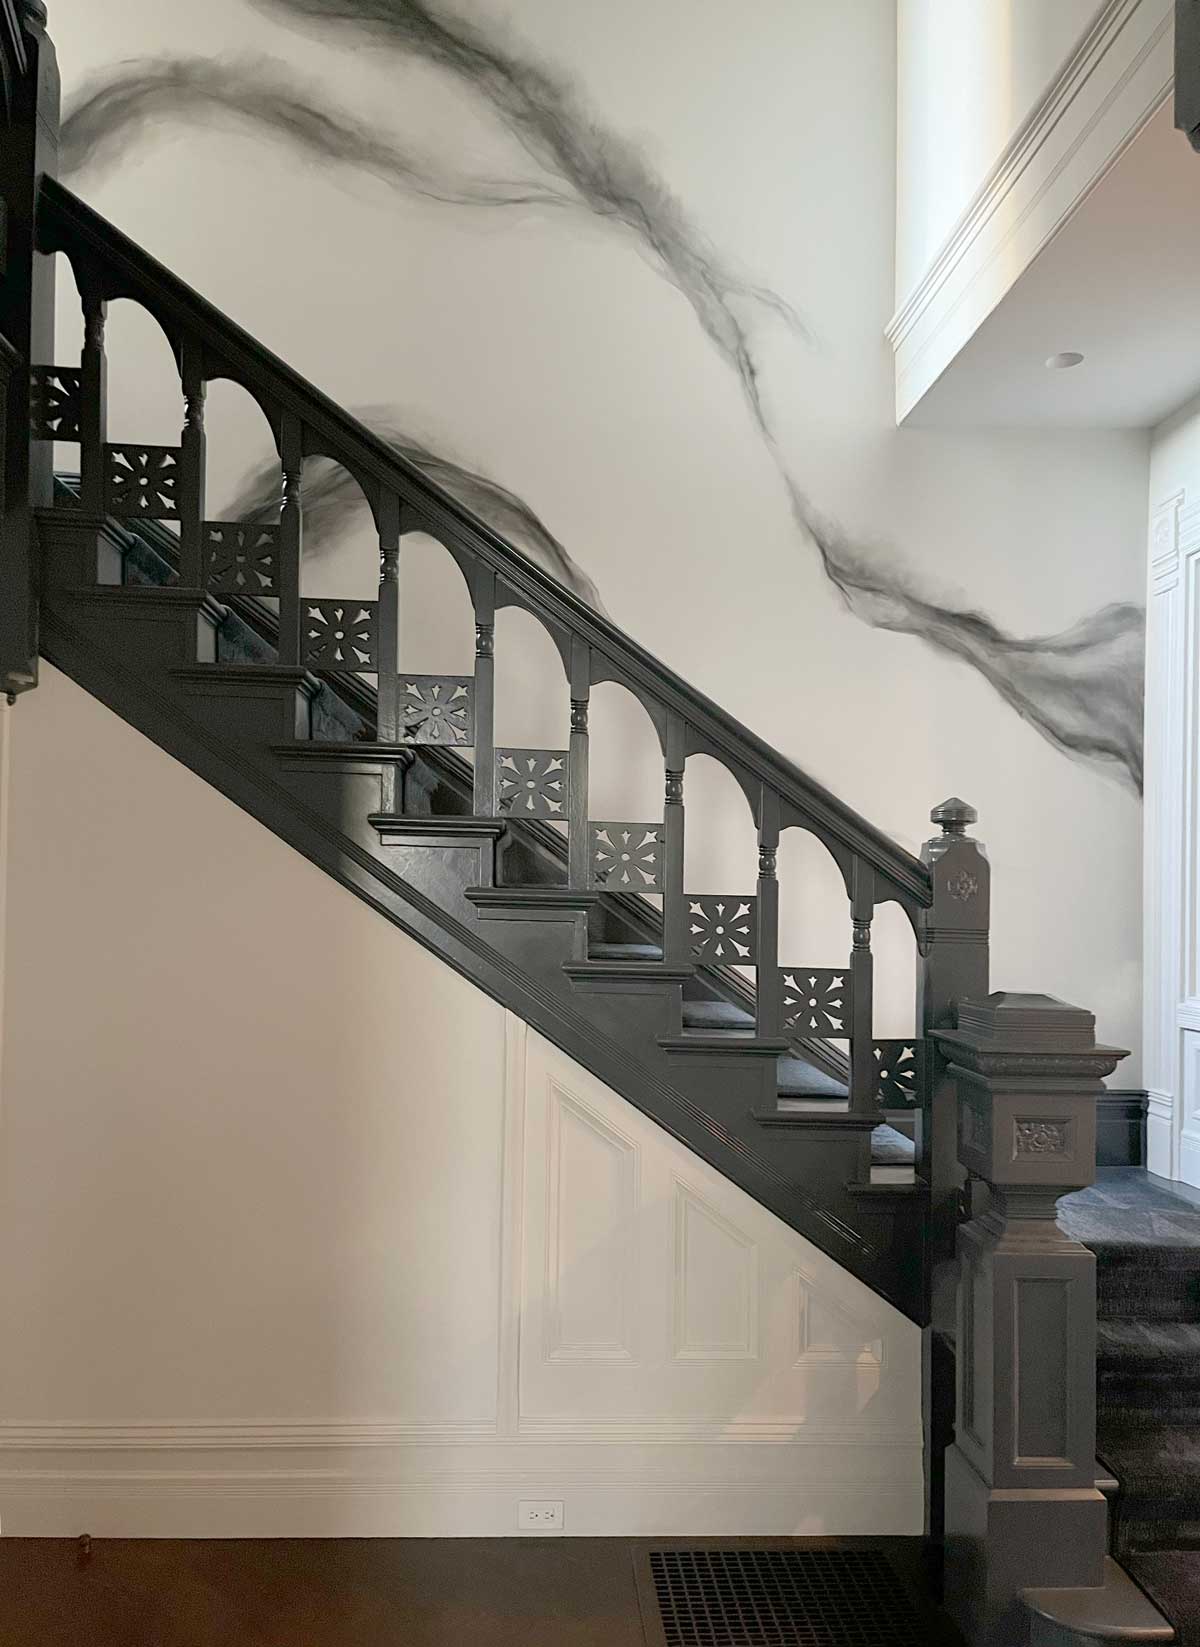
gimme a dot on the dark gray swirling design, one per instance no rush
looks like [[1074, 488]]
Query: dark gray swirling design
[[1081, 689], [331, 496], [256, 94]]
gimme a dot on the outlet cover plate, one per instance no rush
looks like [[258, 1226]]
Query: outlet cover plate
[[540, 1515]]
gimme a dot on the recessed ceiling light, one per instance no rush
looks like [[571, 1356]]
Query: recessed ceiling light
[[1061, 362]]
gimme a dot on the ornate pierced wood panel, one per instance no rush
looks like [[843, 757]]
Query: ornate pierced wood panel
[[532, 782], [899, 1069], [626, 857], [816, 1000], [723, 928], [437, 709], [54, 402], [142, 482], [241, 559], [339, 634]]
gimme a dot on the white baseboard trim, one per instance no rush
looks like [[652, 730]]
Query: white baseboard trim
[[1161, 1149], [439, 1481]]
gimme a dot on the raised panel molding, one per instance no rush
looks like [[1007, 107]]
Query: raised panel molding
[[715, 1284], [591, 1209], [829, 1332], [708, 1442]]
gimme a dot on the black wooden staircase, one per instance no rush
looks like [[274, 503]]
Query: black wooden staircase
[[198, 631], [928, 1167]]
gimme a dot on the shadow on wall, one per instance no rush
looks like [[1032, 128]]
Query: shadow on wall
[[1080, 689]]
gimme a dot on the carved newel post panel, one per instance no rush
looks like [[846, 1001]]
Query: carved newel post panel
[[1021, 1505]]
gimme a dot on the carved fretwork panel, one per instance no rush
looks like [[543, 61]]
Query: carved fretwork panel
[[627, 857], [532, 782], [143, 482], [437, 709], [816, 1000], [723, 928], [54, 402], [339, 634], [241, 559], [898, 1066]]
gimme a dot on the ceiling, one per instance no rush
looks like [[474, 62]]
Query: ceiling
[[1120, 283]]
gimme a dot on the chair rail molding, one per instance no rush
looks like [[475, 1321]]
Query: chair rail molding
[[1117, 77]]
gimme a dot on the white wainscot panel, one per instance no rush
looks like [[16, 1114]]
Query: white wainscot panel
[[738, 1333]]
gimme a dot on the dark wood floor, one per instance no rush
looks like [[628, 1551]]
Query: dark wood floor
[[578, 1592]]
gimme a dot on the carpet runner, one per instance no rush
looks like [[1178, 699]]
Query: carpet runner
[[1146, 1238]]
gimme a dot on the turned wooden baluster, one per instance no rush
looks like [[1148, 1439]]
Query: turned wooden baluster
[[577, 764], [387, 727], [191, 469], [862, 1043], [484, 593], [767, 981], [291, 458], [93, 408], [676, 949]]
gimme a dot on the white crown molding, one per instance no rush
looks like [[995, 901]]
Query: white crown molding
[[1112, 83]]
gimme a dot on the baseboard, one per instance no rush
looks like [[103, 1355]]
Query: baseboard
[[1161, 1149], [364, 1481], [1121, 1128], [404, 1481]]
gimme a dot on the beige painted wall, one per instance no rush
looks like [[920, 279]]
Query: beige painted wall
[[300, 1234]]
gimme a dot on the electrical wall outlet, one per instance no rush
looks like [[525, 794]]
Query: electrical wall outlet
[[540, 1515]]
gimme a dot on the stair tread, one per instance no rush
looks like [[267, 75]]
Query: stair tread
[[625, 952], [1127, 1338], [891, 1148], [716, 1015], [800, 1079]]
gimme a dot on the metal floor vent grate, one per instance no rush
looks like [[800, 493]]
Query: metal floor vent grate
[[782, 1598]]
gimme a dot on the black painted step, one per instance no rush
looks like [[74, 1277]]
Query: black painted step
[[625, 952]]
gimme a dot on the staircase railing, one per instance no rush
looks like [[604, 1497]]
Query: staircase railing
[[974, 1068], [166, 483]]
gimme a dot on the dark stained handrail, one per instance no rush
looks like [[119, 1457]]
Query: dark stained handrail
[[116, 266]]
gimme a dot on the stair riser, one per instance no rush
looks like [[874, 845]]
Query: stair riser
[[1148, 1295], [157, 633]]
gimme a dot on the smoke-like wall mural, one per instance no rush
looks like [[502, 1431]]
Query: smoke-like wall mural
[[1081, 689]]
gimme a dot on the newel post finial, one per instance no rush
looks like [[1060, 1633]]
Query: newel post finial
[[34, 12], [954, 816]]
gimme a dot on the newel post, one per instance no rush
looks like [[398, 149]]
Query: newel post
[[952, 966], [1021, 1504]]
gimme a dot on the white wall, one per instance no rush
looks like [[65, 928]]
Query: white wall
[[968, 76], [541, 346], [299, 1234], [1172, 845], [1009, 113]]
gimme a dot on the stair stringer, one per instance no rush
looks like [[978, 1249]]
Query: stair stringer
[[325, 816]]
